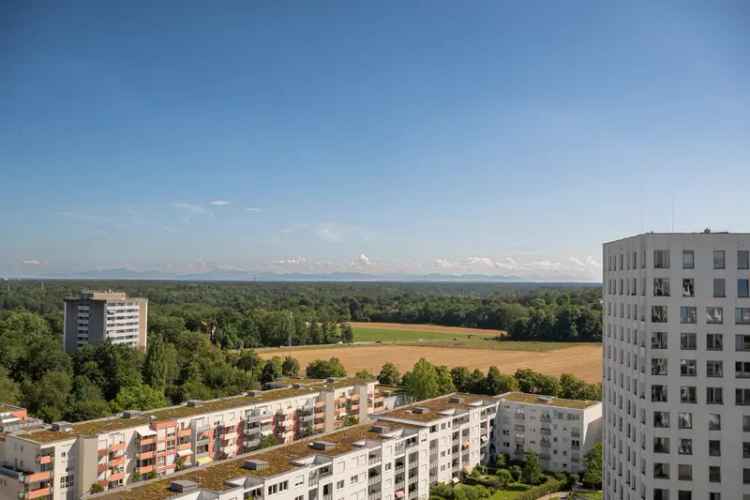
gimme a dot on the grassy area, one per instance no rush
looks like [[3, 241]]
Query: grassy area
[[588, 495], [511, 492], [453, 339]]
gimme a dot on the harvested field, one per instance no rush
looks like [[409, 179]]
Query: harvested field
[[582, 360]]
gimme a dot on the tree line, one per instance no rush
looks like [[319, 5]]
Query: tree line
[[271, 314]]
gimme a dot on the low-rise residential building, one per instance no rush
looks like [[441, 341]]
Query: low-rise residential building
[[65, 460], [559, 431], [398, 456]]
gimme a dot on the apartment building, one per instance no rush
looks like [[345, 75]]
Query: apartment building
[[64, 461], [95, 317], [559, 431], [677, 367], [397, 457]]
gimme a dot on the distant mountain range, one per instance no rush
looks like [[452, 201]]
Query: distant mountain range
[[234, 275]]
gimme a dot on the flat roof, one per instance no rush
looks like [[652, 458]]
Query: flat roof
[[535, 399], [697, 233], [214, 476], [109, 424], [435, 406]]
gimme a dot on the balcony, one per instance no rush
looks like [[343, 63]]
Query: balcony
[[114, 447], [116, 476], [37, 476], [147, 441], [117, 461], [38, 493], [146, 455], [44, 459], [187, 432], [145, 469]]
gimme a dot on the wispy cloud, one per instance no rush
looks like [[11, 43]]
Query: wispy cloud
[[33, 262], [219, 203], [364, 260], [329, 233], [291, 261], [190, 207], [253, 210]]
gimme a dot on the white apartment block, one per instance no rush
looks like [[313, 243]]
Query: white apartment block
[[559, 431], [397, 457], [64, 460], [97, 317], [677, 367]]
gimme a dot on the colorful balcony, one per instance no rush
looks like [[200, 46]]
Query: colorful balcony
[[117, 461], [102, 467], [38, 493], [184, 446], [117, 476], [145, 469], [44, 459], [115, 447], [145, 441], [37, 476], [146, 455], [187, 432]]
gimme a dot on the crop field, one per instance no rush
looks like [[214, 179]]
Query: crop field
[[582, 360]]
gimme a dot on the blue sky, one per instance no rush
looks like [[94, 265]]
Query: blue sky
[[488, 137]]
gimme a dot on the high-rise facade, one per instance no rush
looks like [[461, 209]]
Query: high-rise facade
[[96, 317], [677, 367]]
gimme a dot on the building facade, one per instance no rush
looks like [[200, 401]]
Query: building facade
[[677, 367], [398, 457], [96, 317], [559, 431], [64, 461]]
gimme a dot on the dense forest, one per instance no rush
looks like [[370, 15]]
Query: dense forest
[[269, 314], [199, 335]]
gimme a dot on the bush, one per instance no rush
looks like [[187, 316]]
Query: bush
[[551, 486], [504, 477], [516, 472], [96, 488]]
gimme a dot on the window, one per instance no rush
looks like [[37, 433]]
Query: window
[[687, 368], [714, 342], [742, 397], [745, 423], [714, 496], [661, 471], [661, 419], [688, 394], [659, 393], [745, 450], [659, 314], [743, 259], [688, 287], [714, 422], [685, 472], [719, 259], [743, 288], [661, 287], [720, 287], [742, 315], [658, 366], [714, 315], [714, 474], [742, 369], [661, 259], [686, 447], [688, 315], [742, 342], [745, 476], [661, 445], [688, 341], [714, 369], [714, 448], [684, 495], [660, 494], [658, 340], [714, 396], [685, 420], [688, 259]]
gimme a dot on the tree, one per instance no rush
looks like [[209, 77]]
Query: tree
[[444, 379], [155, 365], [504, 477], [497, 383], [532, 470], [422, 382], [347, 334], [389, 375], [9, 390], [47, 398], [249, 361], [138, 397], [593, 462], [516, 472], [364, 375], [271, 371], [321, 368], [460, 375], [268, 441], [87, 401], [290, 367]]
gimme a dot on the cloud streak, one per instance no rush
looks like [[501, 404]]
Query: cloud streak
[[219, 203]]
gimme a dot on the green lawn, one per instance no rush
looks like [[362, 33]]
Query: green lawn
[[589, 495], [512, 492], [458, 339]]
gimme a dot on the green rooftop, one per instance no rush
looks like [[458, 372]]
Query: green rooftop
[[520, 397]]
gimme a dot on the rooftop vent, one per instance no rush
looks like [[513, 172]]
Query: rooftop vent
[[330, 380], [455, 400], [420, 410], [297, 386], [132, 414], [182, 486], [322, 445], [253, 394], [380, 428], [62, 426], [194, 402], [545, 399], [255, 464]]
